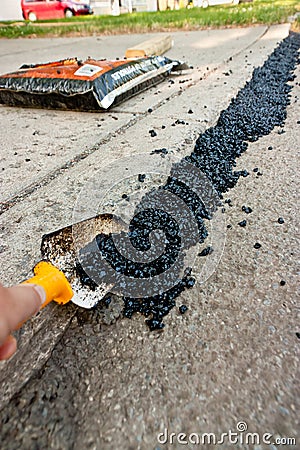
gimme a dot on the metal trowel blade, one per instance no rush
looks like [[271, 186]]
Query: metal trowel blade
[[61, 249]]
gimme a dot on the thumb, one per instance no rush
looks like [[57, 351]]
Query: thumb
[[17, 304], [8, 348]]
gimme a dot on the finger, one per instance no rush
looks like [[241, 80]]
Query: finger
[[17, 304], [8, 348]]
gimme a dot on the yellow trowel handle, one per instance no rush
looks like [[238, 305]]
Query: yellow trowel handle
[[53, 281]]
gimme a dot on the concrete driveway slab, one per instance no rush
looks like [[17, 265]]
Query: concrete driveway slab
[[14, 53], [40, 142], [81, 383]]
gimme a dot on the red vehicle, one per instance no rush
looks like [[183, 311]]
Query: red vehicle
[[53, 9]]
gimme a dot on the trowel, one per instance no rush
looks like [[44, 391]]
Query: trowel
[[60, 273]]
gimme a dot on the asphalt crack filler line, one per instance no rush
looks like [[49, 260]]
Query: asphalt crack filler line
[[258, 108]]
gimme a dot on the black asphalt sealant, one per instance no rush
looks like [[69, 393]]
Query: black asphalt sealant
[[259, 106]]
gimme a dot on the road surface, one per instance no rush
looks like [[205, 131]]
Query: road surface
[[96, 380]]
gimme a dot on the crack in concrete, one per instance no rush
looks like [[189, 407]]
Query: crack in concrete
[[19, 197]]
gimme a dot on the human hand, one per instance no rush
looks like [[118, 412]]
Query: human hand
[[17, 304]]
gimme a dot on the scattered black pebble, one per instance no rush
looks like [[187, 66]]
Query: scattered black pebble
[[259, 107], [124, 196], [183, 309], [298, 335], [282, 283], [206, 251], [190, 282], [155, 324], [255, 169], [247, 209], [259, 174], [163, 127], [152, 133], [229, 226], [270, 148], [280, 220], [107, 301], [141, 177], [27, 159], [150, 110], [243, 223], [164, 151]]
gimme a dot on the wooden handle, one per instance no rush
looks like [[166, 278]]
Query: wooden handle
[[152, 47]]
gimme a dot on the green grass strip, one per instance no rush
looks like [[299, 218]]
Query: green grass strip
[[259, 12]]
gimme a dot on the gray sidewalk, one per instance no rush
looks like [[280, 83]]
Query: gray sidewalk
[[232, 357]]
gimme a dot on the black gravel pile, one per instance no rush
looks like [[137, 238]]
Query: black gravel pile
[[140, 228], [258, 108], [157, 306]]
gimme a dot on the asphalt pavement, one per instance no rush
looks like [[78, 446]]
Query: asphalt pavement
[[97, 380]]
